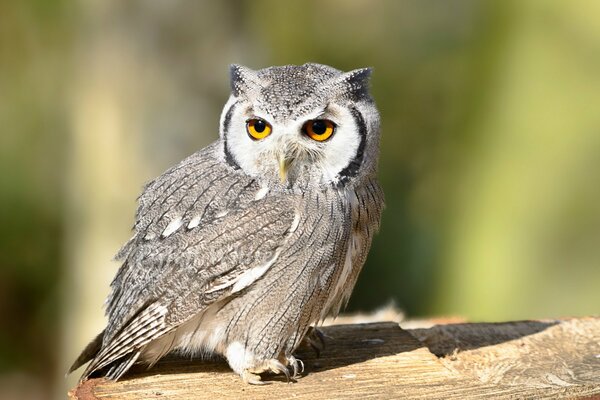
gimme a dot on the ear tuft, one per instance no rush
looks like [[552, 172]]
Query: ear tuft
[[356, 83], [240, 78]]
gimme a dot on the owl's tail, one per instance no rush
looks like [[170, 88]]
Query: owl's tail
[[90, 351]]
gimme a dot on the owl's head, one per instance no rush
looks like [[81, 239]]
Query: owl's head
[[300, 126]]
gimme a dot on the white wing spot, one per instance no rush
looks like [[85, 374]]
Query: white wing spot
[[250, 276], [172, 227], [194, 222], [261, 193], [221, 214], [295, 223], [150, 236], [247, 278]]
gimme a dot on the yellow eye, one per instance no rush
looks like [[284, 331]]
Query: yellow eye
[[319, 129], [258, 128]]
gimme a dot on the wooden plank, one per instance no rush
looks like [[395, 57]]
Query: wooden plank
[[528, 359]]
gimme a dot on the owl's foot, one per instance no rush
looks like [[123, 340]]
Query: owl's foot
[[315, 339], [252, 378], [252, 375], [250, 367]]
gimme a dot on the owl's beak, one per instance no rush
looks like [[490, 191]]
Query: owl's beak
[[284, 164]]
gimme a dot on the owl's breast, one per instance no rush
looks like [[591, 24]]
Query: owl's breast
[[363, 206]]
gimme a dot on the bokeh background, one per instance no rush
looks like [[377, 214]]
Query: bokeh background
[[490, 150]]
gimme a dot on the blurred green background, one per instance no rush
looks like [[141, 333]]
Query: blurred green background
[[490, 149]]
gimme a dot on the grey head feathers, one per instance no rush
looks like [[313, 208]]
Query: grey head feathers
[[294, 89]]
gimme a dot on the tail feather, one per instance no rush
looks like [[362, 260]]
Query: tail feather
[[147, 326], [90, 351], [121, 366]]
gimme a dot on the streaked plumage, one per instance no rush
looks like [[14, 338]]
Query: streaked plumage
[[239, 248]]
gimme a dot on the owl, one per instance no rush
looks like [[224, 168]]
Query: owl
[[243, 247]]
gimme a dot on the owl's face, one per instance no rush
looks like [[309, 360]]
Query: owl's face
[[300, 126]]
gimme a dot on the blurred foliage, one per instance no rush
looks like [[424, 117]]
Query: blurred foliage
[[490, 144], [34, 38]]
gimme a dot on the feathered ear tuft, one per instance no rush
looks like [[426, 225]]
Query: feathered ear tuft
[[355, 83], [240, 79]]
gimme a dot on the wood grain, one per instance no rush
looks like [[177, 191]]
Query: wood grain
[[526, 359]]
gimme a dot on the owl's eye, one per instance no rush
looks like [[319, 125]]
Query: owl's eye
[[319, 129], [258, 128]]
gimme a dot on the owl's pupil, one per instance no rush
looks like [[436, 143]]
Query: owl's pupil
[[260, 126], [319, 127]]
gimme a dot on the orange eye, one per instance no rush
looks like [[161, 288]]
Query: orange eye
[[319, 129], [258, 128]]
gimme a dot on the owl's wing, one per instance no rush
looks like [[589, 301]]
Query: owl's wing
[[202, 234]]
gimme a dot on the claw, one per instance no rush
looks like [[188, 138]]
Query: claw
[[278, 368], [297, 366], [252, 375]]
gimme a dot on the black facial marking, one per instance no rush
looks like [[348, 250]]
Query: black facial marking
[[226, 123], [352, 168]]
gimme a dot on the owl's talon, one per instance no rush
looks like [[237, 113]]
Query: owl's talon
[[297, 366], [278, 368]]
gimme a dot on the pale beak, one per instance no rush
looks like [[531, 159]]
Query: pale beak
[[284, 165]]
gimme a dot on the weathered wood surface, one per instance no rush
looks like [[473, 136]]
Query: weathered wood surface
[[528, 359]]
